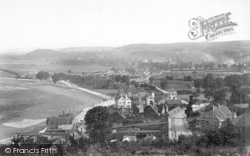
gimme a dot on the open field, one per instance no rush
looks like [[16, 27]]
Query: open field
[[20, 100], [5, 74], [34, 66], [178, 84], [111, 92]]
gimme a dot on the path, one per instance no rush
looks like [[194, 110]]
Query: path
[[178, 124]]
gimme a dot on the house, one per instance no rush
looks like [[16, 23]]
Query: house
[[150, 99], [129, 138], [170, 95], [123, 101], [140, 108], [222, 113], [218, 115], [243, 125], [243, 120], [62, 121], [148, 139]]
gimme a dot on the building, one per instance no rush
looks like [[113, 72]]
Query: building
[[150, 99], [123, 101], [60, 122], [218, 115]]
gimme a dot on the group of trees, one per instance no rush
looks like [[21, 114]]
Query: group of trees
[[189, 110], [227, 136], [217, 88], [122, 79], [213, 87], [98, 124], [42, 75]]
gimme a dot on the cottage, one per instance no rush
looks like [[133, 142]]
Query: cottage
[[129, 138], [56, 122], [150, 99], [218, 115], [123, 101], [243, 120]]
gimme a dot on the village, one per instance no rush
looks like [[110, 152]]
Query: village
[[150, 110]]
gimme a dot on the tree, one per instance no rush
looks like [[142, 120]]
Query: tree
[[233, 81], [118, 78], [125, 79], [219, 82], [189, 109], [220, 95], [55, 77], [42, 75], [209, 85], [198, 84], [188, 78], [164, 83], [238, 95], [98, 125], [151, 80]]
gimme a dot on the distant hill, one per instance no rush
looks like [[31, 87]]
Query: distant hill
[[85, 49], [53, 54], [42, 53], [188, 46], [228, 49], [192, 51]]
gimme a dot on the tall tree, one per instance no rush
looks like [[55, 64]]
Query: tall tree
[[189, 109], [126, 79], [98, 125], [55, 77], [209, 85], [164, 83]]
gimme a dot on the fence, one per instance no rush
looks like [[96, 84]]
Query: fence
[[86, 90], [80, 117]]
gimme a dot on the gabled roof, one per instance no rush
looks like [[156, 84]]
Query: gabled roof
[[118, 97], [243, 120], [220, 115], [129, 138], [66, 127], [225, 110], [222, 112], [174, 102], [149, 139], [140, 107], [59, 120]]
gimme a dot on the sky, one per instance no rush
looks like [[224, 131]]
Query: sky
[[30, 24]]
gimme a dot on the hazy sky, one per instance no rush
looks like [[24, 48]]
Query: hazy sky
[[31, 24]]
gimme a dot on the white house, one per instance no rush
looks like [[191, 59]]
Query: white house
[[172, 94], [150, 99], [123, 101]]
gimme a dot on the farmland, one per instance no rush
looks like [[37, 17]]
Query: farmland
[[34, 66], [21, 100]]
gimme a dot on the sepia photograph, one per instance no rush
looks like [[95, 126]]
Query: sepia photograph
[[124, 77]]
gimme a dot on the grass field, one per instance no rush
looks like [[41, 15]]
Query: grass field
[[34, 66], [178, 84], [21, 100]]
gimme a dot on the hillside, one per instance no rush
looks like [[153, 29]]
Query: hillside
[[84, 49], [230, 49], [42, 54], [188, 46]]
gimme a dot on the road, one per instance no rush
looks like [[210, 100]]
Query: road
[[178, 125]]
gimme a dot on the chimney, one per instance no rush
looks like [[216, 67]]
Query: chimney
[[139, 98], [153, 94]]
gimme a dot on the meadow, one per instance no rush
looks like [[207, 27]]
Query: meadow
[[34, 66], [21, 100]]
